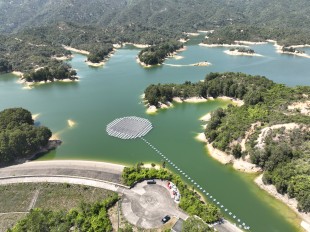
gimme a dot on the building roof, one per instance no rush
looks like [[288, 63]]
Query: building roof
[[178, 226]]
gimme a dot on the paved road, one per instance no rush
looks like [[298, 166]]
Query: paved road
[[144, 205], [89, 169], [227, 226], [63, 179]]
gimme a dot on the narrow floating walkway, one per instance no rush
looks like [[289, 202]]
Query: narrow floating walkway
[[208, 195], [134, 127]]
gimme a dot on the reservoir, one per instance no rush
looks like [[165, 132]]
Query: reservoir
[[114, 91]]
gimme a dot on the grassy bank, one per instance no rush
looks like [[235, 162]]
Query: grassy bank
[[19, 198]]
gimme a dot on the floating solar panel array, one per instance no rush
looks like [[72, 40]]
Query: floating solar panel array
[[129, 127]]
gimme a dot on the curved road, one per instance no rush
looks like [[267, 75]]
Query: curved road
[[144, 205], [100, 175]]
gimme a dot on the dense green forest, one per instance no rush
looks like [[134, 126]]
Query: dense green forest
[[156, 54], [36, 30], [51, 73], [86, 217], [37, 47], [190, 200], [232, 33], [211, 88], [5, 67], [285, 155], [19, 137], [179, 15]]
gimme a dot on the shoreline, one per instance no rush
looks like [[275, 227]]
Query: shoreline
[[250, 42], [103, 62], [18, 73], [192, 34], [279, 49], [304, 55], [151, 109], [52, 144], [208, 31], [236, 53], [62, 58], [183, 40], [247, 167], [30, 85], [84, 52], [146, 65], [222, 45], [89, 63], [290, 202], [137, 45], [199, 64], [222, 157]]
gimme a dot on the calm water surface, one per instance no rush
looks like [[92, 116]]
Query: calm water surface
[[104, 94]]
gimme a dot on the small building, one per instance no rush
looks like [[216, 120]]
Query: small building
[[178, 226]]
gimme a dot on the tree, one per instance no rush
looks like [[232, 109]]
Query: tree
[[10, 118], [236, 151], [19, 137], [195, 224], [5, 66]]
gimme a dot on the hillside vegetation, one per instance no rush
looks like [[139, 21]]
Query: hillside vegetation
[[34, 31], [86, 217], [19, 137], [38, 47], [188, 15], [156, 54], [282, 151], [232, 33]]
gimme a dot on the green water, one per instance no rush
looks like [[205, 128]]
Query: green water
[[113, 91]]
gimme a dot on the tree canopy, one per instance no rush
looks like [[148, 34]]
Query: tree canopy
[[52, 73], [19, 137], [85, 218], [156, 54], [195, 224]]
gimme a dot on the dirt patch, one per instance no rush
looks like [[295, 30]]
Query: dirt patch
[[264, 132], [301, 107]]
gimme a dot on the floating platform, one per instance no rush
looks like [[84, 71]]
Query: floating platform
[[129, 127]]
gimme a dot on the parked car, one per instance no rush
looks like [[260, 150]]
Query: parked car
[[165, 219], [151, 182]]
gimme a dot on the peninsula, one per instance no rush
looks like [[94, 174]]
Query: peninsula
[[20, 138], [259, 135], [156, 54]]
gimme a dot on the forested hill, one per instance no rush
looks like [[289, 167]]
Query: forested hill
[[181, 15], [271, 130]]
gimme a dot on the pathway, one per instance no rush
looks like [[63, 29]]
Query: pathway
[[205, 192]]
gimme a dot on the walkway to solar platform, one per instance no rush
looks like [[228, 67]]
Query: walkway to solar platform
[[135, 127]]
